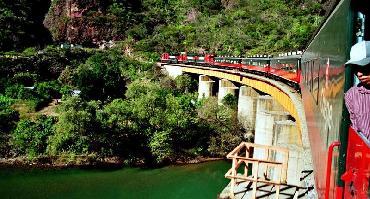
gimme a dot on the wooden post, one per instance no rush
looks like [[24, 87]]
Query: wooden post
[[277, 191], [234, 173], [245, 162], [285, 168], [267, 155], [255, 177]]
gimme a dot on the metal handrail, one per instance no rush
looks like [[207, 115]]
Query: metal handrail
[[328, 167]]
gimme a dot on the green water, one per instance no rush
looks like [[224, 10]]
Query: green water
[[204, 180]]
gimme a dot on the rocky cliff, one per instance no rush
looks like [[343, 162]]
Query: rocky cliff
[[88, 22]]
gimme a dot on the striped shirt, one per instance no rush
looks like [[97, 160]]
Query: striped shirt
[[357, 100]]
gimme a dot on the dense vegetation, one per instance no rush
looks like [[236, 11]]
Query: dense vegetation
[[125, 109], [21, 24], [79, 104], [223, 26]]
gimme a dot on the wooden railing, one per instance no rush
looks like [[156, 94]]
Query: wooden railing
[[269, 169]]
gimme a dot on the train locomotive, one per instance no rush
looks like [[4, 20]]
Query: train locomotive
[[322, 77]]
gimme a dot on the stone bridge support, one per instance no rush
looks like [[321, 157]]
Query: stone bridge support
[[226, 87], [205, 88], [247, 107]]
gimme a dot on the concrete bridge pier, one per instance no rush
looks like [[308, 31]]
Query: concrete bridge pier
[[247, 107], [268, 111], [287, 135], [226, 87], [264, 131], [173, 71], [205, 88]]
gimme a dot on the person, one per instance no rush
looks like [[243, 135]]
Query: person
[[357, 98]]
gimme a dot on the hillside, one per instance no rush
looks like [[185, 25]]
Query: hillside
[[21, 24], [223, 26]]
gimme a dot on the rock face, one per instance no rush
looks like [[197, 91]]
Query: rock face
[[87, 22]]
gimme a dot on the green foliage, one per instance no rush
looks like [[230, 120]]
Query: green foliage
[[45, 65], [30, 137], [230, 101], [48, 90], [242, 27], [31, 51], [8, 120], [167, 119], [227, 131], [18, 91], [38, 96], [21, 22], [77, 130], [25, 78], [160, 145], [8, 116], [185, 84], [104, 75]]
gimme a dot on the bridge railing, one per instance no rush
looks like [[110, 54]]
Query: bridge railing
[[271, 169]]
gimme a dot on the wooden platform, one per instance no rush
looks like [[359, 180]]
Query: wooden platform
[[262, 177]]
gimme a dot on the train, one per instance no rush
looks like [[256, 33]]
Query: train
[[285, 67], [325, 79], [321, 75]]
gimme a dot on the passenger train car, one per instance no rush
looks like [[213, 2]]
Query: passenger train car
[[323, 78], [283, 68]]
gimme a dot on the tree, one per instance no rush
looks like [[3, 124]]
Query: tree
[[227, 131], [8, 120], [104, 75], [77, 130], [21, 22], [230, 101], [30, 137]]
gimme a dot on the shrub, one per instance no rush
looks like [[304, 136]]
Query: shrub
[[227, 132], [48, 90], [18, 91], [8, 120], [25, 78], [30, 137], [77, 130], [230, 101], [8, 116], [31, 51]]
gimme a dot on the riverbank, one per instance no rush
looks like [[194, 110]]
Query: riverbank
[[88, 161]]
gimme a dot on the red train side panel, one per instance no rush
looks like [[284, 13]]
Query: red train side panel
[[357, 173]]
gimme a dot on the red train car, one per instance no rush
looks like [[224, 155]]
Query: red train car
[[324, 80]]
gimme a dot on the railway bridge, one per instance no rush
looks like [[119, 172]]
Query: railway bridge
[[270, 109]]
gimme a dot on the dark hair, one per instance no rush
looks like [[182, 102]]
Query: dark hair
[[363, 69]]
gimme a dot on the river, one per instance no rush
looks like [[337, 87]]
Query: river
[[193, 181]]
